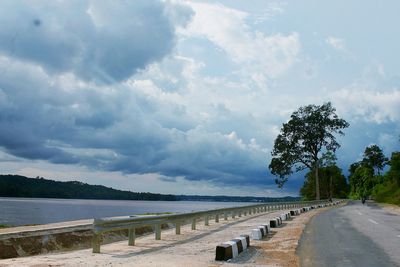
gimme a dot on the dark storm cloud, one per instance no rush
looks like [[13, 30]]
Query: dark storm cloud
[[101, 41], [116, 129], [47, 114]]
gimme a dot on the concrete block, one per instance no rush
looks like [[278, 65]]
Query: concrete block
[[273, 223], [256, 234], [283, 217], [263, 230], [223, 252], [267, 227], [247, 238], [231, 249], [234, 246]]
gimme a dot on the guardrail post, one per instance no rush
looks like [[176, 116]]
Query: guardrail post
[[216, 218], [96, 243], [177, 228], [206, 220], [250, 211], [240, 213], [194, 224], [131, 236], [158, 231], [233, 214], [245, 212]]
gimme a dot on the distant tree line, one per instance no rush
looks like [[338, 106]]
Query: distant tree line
[[21, 186]]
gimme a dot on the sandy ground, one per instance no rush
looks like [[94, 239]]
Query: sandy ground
[[191, 248], [394, 209]]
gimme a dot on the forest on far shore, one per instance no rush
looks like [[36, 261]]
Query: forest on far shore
[[21, 186]]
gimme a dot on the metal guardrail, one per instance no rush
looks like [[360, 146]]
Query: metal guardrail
[[104, 225]]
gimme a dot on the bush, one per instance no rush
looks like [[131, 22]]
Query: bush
[[388, 193]]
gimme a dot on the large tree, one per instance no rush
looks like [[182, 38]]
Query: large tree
[[333, 184], [374, 158], [305, 140]]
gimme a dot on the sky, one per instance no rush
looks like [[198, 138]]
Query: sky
[[187, 97]]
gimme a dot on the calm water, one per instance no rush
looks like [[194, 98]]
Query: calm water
[[22, 211]]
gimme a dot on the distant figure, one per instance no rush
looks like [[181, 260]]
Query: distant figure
[[363, 199]]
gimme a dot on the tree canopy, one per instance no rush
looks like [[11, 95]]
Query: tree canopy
[[374, 158], [305, 140], [333, 184]]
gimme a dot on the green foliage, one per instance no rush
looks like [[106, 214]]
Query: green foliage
[[304, 140], [374, 158], [20, 186], [332, 184], [365, 181], [387, 193], [394, 172]]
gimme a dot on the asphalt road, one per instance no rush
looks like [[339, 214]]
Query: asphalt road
[[350, 236]]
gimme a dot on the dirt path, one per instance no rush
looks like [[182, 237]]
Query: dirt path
[[191, 248]]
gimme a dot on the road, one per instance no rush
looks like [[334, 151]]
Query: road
[[350, 236]]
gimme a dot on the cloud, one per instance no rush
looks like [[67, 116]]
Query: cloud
[[271, 10], [101, 41], [336, 43], [369, 105], [226, 28], [134, 128], [180, 95]]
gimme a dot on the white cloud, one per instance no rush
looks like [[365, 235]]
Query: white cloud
[[337, 43], [253, 51], [370, 105]]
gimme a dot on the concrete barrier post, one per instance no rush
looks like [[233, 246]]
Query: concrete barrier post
[[131, 236], [96, 243], [206, 220], [177, 228], [225, 216], [245, 212], [233, 214], [158, 231], [216, 218], [240, 213]]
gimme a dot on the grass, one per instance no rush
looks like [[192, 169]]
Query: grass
[[387, 193], [5, 226]]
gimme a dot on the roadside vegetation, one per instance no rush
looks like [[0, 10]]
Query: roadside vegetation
[[308, 142], [366, 177]]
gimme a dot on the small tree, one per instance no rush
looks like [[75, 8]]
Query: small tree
[[304, 140]]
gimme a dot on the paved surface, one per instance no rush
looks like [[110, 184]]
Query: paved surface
[[352, 235]]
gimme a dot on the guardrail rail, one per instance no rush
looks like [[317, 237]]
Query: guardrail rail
[[104, 225]]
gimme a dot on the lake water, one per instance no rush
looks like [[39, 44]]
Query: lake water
[[22, 211]]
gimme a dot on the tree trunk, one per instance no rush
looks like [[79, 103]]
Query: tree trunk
[[317, 196]]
